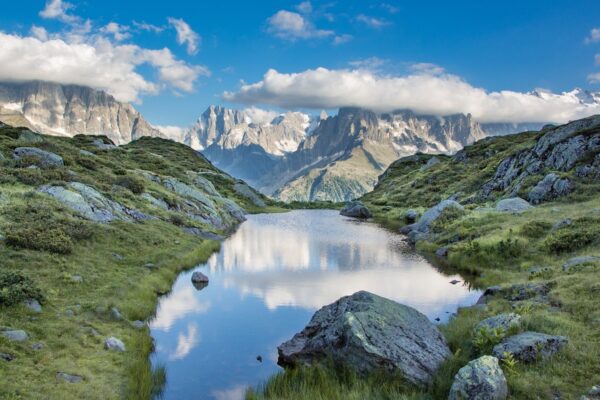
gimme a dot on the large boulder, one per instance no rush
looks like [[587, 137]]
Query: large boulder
[[550, 188], [422, 226], [45, 159], [500, 322], [369, 332], [356, 209], [480, 379], [513, 205], [528, 347]]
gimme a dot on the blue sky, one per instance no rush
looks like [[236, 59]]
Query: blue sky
[[493, 45]]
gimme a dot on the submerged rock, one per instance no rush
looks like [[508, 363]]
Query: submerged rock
[[46, 158], [513, 205], [480, 379], [369, 332], [199, 277], [527, 347], [356, 209]]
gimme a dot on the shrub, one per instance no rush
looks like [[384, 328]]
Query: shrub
[[581, 233], [133, 183], [177, 220], [447, 217], [16, 288], [87, 163], [39, 238], [535, 229]]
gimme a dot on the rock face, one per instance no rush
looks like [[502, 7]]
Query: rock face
[[69, 110], [529, 346], [550, 188], [356, 209], [245, 190], [480, 379], [513, 205], [45, 159], [369, 333], [593, 394]]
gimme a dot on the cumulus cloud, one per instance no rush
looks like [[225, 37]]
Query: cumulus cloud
[[96, 62], [185, 35], [426, 68], [371, 63], [372, 22], [341, 39], [594, 36], [424, 93], [119, 32], [39, 32], [176, 133], [305, 7], [144, 26], [260, 116], [292, 26], [57, 9]]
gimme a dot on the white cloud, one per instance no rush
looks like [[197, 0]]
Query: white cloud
[[423, 93], [95, 62], [426, 68], [341, 39], [176, 133], [260, 116], [291, 26], [594, 36], [185, 35], [390, 8], [594, 78], [186, 342], [119, 32], [57, 9], [305, 7], [144, 26], [370, 64], [373, 22], [39, 32]]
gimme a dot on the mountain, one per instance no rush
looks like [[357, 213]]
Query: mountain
[[68, 110]]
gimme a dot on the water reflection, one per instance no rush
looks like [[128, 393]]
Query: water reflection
[[265, 284]]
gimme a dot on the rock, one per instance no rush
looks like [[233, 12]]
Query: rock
[[117, 256], [37, 346], [247, 192], [86, 153], [562, 224], [6, 357], [116, 314], [69, 377], [199, 277], [150, 265], [579, 261], [45, 159], [405, 230], [527, 347], [29, 136], [442, 252], [535, 271], [369, 332], [137, 324], [480, 379], [76, 278], [159, 203], [513, 205], [15, 335], [233, 209], [356, 209], [114, 344], [501, 322], [33, 305], [550, 188], [488, 293], [69, 313], [593, 394], [454, 281], [205, 185], [430, 163], [99, 143], [411, 216], [259, 358], [203, 234], [432, 214]]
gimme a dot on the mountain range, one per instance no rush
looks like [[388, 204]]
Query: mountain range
[[290, 156]]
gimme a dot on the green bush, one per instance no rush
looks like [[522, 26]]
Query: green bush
[[39, 238], [133, 183], [177, 220], [535, 229], [16, 288], [581, 233], [87, 163]]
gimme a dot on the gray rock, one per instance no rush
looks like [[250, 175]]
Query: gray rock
[[233, 210], [45, 159], [159, 203], [15, 335], [550, 188], [69, 313], [203, 234], [480, 379], [534, 271], [430, 163], [432, 214], [369, 332], [199, 277], [76, 278], [6, 357], [562, 224], [117, 256], [579, 261], [37, 346], [501, 322], [99, 143], [442, 252], [116, 314], [356, 209], [411, 216], [205, 185], [593, 394], [33, 305], [70, 378], [150, 265], [29, 136], [247, 192], [114, 344], [86, 153], [513, 205], [528, 347], [137, 324]]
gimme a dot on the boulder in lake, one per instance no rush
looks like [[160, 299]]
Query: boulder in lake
[[199, 277], [528, 347], [513, 205], [480, 379], [368, 332], [45, 159], [356, 209]]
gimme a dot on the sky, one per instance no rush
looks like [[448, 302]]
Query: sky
[[173, 59]]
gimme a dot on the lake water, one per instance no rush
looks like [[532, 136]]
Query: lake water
[[266, 283]]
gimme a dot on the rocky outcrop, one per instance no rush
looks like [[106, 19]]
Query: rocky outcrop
[[513, 205], [579, 261], [368, 333], [356, 209], [550, 188], [480, 379], [42, 158], [420, 229], [500, 322], [246, 191], [528, 347]]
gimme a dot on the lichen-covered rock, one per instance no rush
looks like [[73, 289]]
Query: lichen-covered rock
[[480, 379], [369, 332], [579, 261], [513, 205], [159, 203], [29, 136], [356, 209], [45, 158], [528, 347], [550, 188], [500, 322], [246, 191], [114, 344]]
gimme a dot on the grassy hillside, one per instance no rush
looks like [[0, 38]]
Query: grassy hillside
[[497, 248], [92, 279]]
